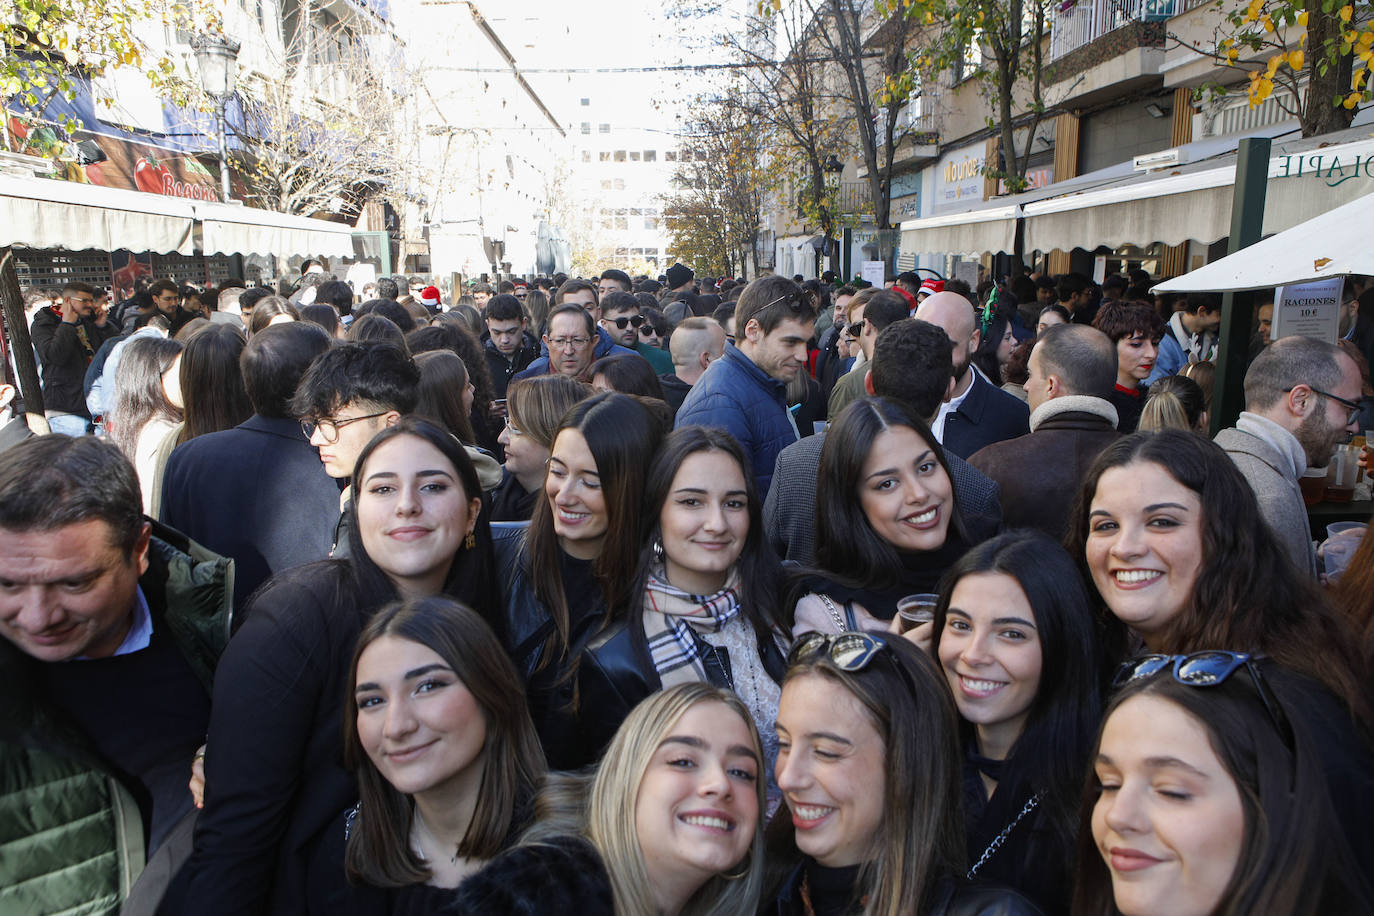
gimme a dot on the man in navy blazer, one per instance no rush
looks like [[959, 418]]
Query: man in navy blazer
[[257, 492], [978, 413]]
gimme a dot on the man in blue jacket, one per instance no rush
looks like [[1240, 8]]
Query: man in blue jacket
[[745, 391]]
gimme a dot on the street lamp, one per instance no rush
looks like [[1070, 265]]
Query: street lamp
[[217, 61]]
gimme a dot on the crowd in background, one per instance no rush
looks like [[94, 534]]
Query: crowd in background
[[636, 596]]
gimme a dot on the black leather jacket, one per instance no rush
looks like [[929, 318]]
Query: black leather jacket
[[615, 673], [551, 691]]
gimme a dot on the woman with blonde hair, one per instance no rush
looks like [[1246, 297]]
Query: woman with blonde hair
[[670, 822]]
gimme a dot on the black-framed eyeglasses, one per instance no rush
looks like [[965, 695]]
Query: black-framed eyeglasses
[[1353, 408], [625, 320], [329, 427], [1209, 669]]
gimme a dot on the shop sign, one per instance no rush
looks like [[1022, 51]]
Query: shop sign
[[1331, 168], [111, 162], [1309, 309], [959, 178]]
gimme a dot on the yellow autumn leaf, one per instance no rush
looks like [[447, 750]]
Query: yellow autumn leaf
[[1346, 12], [1268, 23], [1296, 59], [1302, 19], [1351, 100]]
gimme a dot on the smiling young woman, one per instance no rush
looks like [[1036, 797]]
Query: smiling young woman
[[1015, 636], [707, 587], [669, 823], [1172, 537], [1202, 801], [887, 522], [868, 764], [273, 779], [565, 575], [439, 737]]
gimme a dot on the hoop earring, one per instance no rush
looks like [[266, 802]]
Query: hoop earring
[[658, 548], [471, 541], [742, 872]]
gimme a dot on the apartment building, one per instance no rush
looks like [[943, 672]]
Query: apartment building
[[1134, 164]]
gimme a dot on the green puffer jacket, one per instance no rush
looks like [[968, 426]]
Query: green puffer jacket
[[71, 835]]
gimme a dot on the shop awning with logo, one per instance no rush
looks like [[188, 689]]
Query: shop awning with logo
[[47, 213], [989, 228], [1307, 177], [231, 229], [1329, 245]]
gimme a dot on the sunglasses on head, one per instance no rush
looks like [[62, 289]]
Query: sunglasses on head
[[1208, 669], [850, 652], [796, 302], [625, 320]]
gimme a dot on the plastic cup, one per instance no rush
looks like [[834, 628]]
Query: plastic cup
[[1313, 485], [916, 610]]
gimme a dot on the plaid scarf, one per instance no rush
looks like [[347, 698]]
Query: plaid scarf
[[671, 615]]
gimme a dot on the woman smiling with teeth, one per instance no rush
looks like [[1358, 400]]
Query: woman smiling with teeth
[[1015, 635], [575, 563], [1172, 536], [868, 767], [887, 524]]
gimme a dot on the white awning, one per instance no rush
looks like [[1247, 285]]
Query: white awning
[[988, 229], [1194, 201], [230, 229], [47, 213], [1329, 245]]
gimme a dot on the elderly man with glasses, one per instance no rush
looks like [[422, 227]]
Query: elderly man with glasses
[[1301, 400], [66, 337]]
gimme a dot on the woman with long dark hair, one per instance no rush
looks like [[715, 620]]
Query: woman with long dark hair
[[273, 778], [1015, 636], [868, 764], [446, 392], [1172, 537], [887, 522], [1204, 801], [708, 584], [567, 574], [438, 735]]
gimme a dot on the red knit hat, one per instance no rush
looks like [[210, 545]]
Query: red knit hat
[[930, 287], [429, 297]]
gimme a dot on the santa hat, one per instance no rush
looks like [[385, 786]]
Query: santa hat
[[931, 287], [429, 297]]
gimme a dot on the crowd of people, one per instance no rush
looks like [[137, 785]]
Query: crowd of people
[[677, 596]]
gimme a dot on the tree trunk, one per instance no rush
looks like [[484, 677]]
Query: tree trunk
[[12, 301], [1320, 113]]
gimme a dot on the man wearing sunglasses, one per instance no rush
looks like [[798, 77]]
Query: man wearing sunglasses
[[1301, 400], [621, 318], [745, 391], [66, 338]]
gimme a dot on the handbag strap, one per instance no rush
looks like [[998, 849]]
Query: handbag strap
[[847, 623]]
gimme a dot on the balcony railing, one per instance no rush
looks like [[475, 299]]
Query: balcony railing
[[853, 197], [1078, 24]]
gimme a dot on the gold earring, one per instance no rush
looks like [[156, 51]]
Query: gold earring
[[742, 872], [471, 541]]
